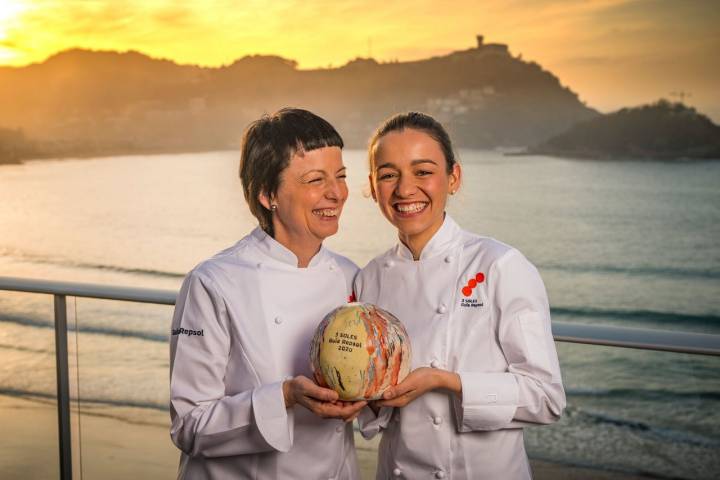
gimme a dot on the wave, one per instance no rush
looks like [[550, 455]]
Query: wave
[[42, 323], [644, 429], [645, 394], [12, 392], [64, 262], [667, 272], [650, 316]]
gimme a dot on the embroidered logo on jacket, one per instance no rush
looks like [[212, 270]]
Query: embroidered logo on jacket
[[467, 290], [352, 298], [189, 333]]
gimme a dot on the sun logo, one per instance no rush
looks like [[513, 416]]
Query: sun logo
[[472, 283]]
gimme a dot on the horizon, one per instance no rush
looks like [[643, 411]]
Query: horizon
[[622, 53]]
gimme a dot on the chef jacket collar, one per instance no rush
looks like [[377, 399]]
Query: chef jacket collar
[[277, 251], [446, 236]]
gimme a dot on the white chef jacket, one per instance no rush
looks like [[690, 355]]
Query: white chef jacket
[[496, 336], [243, 324]]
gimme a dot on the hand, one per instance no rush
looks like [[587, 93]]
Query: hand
[[323, 402], [417, 383]]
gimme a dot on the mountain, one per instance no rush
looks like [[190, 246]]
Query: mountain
[[81, 102], [662, 130]]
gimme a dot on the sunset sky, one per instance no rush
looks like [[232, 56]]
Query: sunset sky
[[613, 53]]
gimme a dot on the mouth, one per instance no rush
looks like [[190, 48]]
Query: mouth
[[327, 213], [410, 209]]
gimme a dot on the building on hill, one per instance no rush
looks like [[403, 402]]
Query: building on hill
[[500, 48]]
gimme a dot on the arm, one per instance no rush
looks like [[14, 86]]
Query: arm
[[205, 420], [530, 391]]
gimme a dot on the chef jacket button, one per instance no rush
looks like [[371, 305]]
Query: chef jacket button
[[437, 420], [442, 309], [389, 264], [332, 267], [434, 364], [259, 264], [397, 472], [339, 428], [448, 259], [278, 320], [439, 474]]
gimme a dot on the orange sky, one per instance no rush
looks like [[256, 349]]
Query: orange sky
[[613, 53]]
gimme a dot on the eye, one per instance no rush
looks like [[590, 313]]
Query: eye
[[315, 180], [422, 173], [386, 175], [342, 175]]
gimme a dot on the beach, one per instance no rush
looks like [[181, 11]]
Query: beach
[[602, 234], [113, 448]]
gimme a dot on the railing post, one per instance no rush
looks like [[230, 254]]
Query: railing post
[[63, 387]]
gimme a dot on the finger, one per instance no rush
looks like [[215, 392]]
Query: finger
[[352, 418], [389, 393], [320, 393]]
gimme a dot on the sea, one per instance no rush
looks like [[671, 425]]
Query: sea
[[620, 243]]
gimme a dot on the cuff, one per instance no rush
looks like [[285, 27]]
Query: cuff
[[489, 401], [370, 424], [271, 417]]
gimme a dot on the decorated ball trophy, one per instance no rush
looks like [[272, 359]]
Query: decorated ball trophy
[[359, 350]]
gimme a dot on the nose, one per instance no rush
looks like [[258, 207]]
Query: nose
[[336, 190], [405, 186]]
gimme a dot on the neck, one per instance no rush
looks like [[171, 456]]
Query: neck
[[416, 243], [304, 249]]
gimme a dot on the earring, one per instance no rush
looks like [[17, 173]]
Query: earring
[[452, 192], [273, 207]]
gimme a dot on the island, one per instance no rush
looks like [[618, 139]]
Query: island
[[660, 131]]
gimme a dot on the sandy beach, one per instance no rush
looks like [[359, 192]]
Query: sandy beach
[[112, 448]]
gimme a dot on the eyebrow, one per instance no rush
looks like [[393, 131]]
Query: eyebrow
[[317, 170], [413, 163]]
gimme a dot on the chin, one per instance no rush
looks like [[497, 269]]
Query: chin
[[324, 231]]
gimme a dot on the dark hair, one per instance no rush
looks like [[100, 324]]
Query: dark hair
[[269, 143], [416, 121]]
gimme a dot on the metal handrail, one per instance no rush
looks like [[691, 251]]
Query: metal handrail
[[612, 336], [647, 339]]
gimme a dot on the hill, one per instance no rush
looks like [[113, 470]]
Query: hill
[[662, 130], [80, 102]]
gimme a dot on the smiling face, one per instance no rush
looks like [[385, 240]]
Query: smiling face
[[309, 199], [410, 183]]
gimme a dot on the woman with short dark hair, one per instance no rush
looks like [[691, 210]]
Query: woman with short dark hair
[[242, 402]]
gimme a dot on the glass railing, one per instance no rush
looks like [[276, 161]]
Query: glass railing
[[630, 411]]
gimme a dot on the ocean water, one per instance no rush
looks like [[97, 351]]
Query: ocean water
[[618, 243]]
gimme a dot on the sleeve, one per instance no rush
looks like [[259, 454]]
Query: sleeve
[[205, 421], [370, 424], [530, 391]]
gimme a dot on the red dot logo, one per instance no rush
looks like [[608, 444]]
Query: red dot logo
[[472, 283]]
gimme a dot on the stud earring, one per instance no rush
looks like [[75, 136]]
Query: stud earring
[[273, 207]]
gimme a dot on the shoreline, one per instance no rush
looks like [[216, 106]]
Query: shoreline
[[140, 447]]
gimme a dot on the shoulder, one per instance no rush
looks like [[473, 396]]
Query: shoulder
[[494, 253], [349, 268], [376, 263], [228, 262]]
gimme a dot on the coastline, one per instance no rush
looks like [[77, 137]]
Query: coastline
[[114, 448]]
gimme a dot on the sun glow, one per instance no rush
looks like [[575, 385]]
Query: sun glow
[[10, 14]]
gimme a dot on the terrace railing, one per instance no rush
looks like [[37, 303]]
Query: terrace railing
[[638, 338]]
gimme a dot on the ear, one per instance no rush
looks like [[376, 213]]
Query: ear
[[265, 201], [372, 187], [455, 178]]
